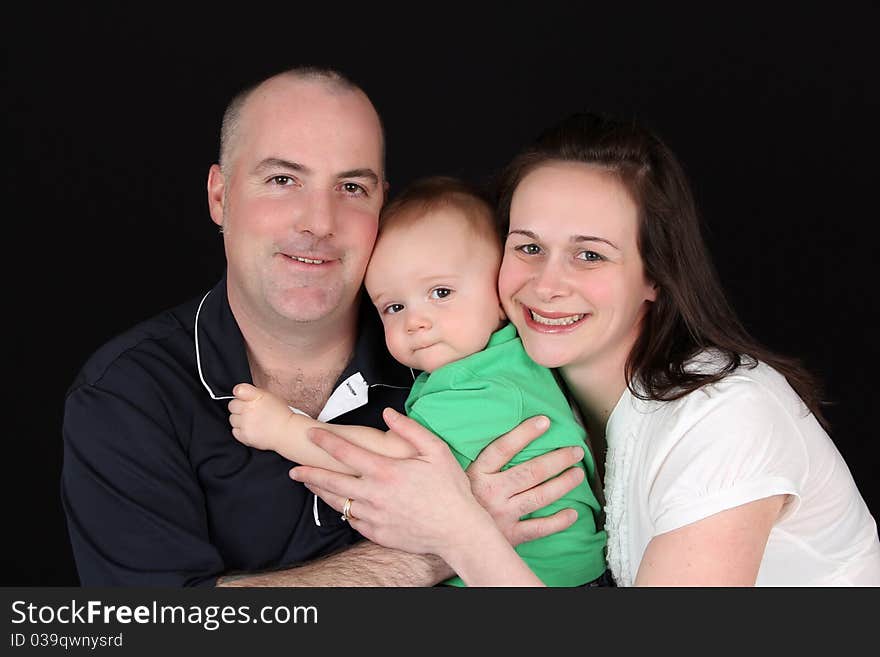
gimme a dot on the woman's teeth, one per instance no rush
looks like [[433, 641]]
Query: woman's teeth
[[557, 321]]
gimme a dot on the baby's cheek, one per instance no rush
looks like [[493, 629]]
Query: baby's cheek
[[396, 347]]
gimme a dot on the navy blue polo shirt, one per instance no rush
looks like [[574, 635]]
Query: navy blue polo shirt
[[156, 490]]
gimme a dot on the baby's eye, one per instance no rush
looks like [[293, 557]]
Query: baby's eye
[[528, 249], [440, 292], [589, 256], [393, 308]]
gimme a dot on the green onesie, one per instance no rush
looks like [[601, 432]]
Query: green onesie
[[472, 401]]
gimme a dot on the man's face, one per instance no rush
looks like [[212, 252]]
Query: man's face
[[298, 200]]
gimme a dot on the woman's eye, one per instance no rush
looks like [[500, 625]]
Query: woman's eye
[[529, 249], [589, 256], [440, 292], [393, 308]]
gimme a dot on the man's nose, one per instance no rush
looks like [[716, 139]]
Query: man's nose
[[317, 216]]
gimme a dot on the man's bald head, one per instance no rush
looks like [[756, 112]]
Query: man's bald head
[[333, 80]]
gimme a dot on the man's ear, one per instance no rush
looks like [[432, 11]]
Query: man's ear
[[216, 189]]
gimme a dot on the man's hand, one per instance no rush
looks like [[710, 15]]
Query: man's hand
[[421, 504], [425, 504]]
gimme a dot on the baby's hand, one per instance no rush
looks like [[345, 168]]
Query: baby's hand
[[258, 417]]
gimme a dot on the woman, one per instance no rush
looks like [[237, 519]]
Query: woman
[[718, 469]]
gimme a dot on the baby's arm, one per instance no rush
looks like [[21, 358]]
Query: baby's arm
[[263, 420]]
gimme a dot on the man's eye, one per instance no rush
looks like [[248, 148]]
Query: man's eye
[[589, 256], [282, 181], [354, 189], [393, 308], [440, 292], [529, 249]]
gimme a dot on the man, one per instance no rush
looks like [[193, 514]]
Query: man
[[156, 490]]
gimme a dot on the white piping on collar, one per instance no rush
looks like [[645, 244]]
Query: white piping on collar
[[198, 356], [388, 385], [315, 511]]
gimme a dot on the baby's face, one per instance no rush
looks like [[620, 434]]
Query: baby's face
[[434, 284]]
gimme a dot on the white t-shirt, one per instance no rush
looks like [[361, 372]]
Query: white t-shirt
[[745, 438]]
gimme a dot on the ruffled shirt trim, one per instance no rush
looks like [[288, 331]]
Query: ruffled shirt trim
[[618, 464]]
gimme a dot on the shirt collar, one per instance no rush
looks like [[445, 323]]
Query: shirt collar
[[222, 362], [221, 357]]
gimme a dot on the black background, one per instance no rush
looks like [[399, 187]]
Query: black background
[[113, 121]]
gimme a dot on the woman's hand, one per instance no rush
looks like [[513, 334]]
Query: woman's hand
[[510, 494]]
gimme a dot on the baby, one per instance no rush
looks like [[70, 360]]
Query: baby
[[433, 279]]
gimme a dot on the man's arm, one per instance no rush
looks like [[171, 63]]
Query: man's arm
[[135, 512], [363, 564]]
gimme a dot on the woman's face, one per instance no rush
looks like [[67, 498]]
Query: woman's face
[[572, 279]]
